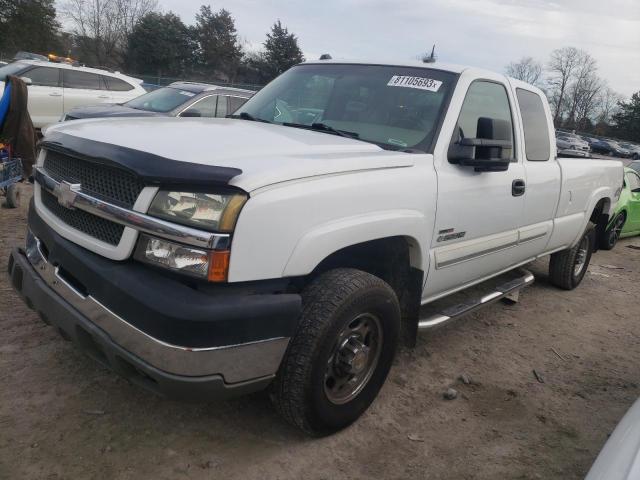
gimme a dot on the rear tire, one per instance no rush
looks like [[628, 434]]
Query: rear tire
[[568, 267], [328, 378], [13, 196], [612, 234]]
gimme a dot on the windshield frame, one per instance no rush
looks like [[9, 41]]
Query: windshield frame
[[426, 145]]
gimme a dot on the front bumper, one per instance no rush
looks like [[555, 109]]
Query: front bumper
[[187, 369]]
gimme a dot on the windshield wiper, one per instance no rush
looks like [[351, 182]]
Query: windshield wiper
[[248, 116], [323, 127]]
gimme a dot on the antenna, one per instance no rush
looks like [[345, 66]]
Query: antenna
[[431, 58]]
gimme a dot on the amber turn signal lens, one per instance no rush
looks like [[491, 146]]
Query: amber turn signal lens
[[219, 265]]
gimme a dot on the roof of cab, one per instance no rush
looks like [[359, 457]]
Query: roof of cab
[[394, 63]]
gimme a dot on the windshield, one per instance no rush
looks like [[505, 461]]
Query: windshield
[[161, 100], [394, 107], [11, 69]]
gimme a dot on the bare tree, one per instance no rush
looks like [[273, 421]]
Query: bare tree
[[562, 65], [583, 89], [608, 100], [102, 26], [526, 69]]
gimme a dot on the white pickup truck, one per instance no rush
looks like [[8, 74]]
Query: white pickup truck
[[291, 246]]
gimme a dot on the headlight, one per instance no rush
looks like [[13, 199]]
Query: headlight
[[215, 212], [209, 265]]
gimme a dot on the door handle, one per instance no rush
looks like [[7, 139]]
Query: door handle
[[103, 96], [55, 94], [517, 187]]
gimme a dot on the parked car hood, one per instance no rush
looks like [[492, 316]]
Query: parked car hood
[[108, 110], [266, 153], [620, 457]]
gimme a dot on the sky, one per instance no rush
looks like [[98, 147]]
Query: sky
[[482, 33]]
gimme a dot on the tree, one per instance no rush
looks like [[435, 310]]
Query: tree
[[561, 67], [627, 119], [526, 69], [101, 27], [29, 25], [160, 44], [607, 104], [218, 49], [281, 50]]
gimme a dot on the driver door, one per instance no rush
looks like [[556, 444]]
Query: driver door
[[478, 213]]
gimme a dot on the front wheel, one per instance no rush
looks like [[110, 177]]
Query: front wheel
[[568, 267], [341, 353], [612, 234]]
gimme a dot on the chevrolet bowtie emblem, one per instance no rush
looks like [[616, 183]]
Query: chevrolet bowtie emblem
[[66, 193]]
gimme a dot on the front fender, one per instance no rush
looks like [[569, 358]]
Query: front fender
[[323, 240]]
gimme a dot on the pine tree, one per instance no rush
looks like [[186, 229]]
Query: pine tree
[[28, 25], [281, 50], [627, 120], [218, 49], [160, 44]]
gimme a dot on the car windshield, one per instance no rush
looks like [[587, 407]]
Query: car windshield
[[161, 100], [11, 69], [394, 107]]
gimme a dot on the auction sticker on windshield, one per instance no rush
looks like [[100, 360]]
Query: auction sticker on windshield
[[415, 82]]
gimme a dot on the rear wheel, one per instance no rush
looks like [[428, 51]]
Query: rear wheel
[[341, 353], [612, 234], [568, 267]]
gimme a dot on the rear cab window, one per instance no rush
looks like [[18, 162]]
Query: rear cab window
[[536, 126]]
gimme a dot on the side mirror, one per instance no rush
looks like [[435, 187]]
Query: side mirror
[[486, 152], [190, 113], [26, 80]]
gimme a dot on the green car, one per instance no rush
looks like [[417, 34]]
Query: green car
[[625, 220]]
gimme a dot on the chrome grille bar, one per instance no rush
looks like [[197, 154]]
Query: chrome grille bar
[[72, 196]]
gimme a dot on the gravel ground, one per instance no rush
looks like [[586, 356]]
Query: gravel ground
[[64, 416]]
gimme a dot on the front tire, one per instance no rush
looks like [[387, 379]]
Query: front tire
[[568, 267], [611, 236], [341, 353]]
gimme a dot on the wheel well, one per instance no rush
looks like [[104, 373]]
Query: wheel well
[[391, 260], [600, 219]]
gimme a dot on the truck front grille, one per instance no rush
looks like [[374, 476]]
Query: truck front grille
[[104, 230], [108, 183]]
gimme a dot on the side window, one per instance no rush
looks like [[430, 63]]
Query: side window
[[633, 181], [221, 111], [205, 107], [44, 76], [117, 85], [536, 128], [235, 103], [486, 114], [86, 80]]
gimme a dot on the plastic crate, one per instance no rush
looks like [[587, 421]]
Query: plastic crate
[[10, 172]]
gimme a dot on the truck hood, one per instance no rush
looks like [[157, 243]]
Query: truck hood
[[267, 154]]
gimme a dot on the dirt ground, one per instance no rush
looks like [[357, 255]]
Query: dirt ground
[[64, 416]]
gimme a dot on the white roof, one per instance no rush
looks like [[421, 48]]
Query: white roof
[[82, 69], [396, 63]]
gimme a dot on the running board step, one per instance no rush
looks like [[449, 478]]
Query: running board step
[[456, 311]]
